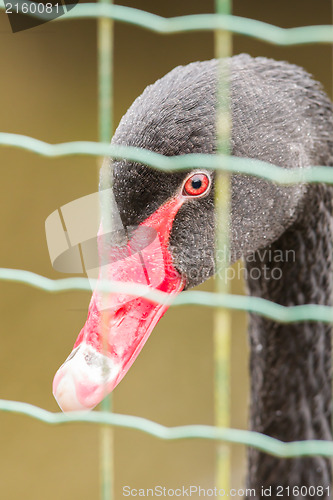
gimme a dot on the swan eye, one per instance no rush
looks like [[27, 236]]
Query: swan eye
[[196, 185]]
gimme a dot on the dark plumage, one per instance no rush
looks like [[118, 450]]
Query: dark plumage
[[279, 115]]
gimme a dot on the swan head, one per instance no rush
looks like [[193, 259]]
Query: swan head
[[168, 218]]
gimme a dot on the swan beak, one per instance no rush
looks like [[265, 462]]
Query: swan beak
[[119, 324]]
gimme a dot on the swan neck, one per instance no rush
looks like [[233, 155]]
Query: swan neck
[[290, 364]]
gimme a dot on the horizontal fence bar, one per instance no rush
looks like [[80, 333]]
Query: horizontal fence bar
[[248, 166], [256, 305], [196, 22], [256, 440]]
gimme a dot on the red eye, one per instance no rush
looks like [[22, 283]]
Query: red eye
[[196, 185]]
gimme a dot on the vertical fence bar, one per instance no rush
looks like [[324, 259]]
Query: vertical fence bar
[[222, 319], [105, 112]]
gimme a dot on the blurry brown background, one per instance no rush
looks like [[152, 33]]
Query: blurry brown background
[[48, 91]]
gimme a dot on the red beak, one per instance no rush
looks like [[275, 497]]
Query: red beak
[[118, 326]]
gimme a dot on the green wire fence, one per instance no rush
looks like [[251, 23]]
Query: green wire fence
[[224, 24], [222, 317], [197, 22], [105, 115]]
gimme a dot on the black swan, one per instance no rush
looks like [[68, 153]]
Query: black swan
[[279, 115]]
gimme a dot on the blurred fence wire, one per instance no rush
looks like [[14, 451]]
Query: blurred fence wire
[[249, 438], [197, 22]]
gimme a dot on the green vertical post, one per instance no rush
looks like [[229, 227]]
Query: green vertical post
[[105, 109], [222, 319]]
